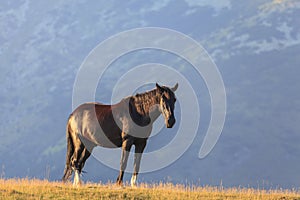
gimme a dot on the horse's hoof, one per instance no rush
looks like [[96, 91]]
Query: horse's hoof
[[133, 181], [77, 183], [119, 183]]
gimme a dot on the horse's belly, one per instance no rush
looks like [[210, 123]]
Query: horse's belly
[[106, 139], [113, 143]]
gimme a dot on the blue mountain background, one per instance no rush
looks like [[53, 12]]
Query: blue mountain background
[[255, 44]]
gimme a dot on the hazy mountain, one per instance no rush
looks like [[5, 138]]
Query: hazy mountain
[[255, 45]]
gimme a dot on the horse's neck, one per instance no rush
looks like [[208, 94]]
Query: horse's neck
[[147, 106]]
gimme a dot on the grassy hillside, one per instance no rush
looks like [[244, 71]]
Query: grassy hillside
[[41, 189]]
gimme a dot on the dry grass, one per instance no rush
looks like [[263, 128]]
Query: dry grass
[[42, 189]]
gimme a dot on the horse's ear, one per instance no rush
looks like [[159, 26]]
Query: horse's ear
[[174, 88], [159, 87]]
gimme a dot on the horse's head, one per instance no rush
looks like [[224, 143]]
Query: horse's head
[[167, 103]]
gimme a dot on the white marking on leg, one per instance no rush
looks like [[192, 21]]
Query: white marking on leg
[[133, 180], [77, 181]]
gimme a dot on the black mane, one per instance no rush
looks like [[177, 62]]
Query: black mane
[[144, 101]]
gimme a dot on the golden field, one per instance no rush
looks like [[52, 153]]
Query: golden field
[[43, 189]]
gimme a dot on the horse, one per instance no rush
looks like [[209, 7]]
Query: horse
[[123, 124]]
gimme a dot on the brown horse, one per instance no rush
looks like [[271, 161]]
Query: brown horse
[[124, 124]]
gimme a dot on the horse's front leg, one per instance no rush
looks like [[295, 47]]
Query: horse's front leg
[[139, 148], [126, 146]]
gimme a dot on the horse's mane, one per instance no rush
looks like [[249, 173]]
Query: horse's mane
[[144, 101]]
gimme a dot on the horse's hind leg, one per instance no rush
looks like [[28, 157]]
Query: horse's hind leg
[[85, 154], [81, 153], [75, 160]]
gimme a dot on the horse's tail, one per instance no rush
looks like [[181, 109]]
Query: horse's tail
[[70, 150]]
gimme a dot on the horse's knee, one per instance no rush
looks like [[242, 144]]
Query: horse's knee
[[127, 144]]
